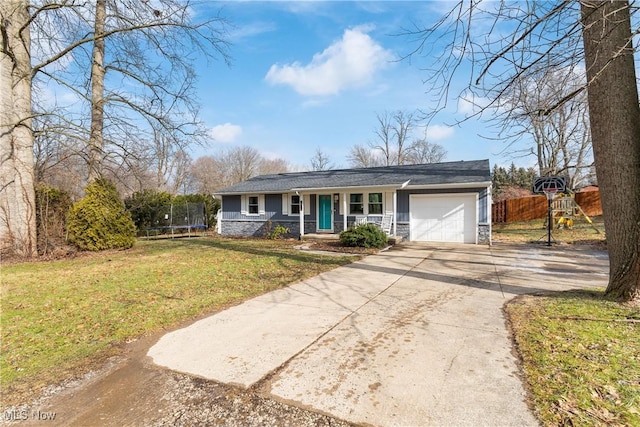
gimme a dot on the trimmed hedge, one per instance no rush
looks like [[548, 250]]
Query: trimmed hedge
[[99, 221], [364, 236]]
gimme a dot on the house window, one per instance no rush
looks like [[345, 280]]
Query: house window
[[253, 205], [295, 205], [356, 205], [375, 203]]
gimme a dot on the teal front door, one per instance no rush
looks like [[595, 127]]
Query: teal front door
[[324, 212]]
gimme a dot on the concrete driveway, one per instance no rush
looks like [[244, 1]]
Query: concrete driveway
[[412, 336]]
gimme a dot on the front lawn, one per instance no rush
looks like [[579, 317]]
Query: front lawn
[[581, 357], [59, 317]]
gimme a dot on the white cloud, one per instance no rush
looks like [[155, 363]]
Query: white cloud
[[349, 62], [438, 132], [225, 133], [470, 104], [243, 32]]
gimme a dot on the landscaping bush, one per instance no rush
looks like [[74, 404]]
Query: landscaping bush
[[364, 236], [99, 220], [277, 232]]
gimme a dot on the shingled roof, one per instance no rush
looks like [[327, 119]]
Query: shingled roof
[[431, 174]]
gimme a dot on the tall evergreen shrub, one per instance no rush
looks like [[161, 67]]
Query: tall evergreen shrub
[[99, 220]]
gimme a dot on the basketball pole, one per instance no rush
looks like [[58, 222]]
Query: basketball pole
[[549, 217]]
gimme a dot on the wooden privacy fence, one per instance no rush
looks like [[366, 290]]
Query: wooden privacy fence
[[535, 207]]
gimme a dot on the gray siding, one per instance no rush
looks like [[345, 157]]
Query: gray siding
[[236, 224]]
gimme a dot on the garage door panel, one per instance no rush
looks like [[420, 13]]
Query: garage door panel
[[443, 218]]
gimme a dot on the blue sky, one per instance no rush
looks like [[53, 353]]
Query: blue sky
[[308, 75]]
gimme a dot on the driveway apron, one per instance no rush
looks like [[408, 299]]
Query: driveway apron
[[413, 336]]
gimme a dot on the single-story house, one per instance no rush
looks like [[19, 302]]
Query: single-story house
[[437, 202]]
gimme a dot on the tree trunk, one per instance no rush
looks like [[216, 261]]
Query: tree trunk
[[615, 131], [96, 138], [17, 194]]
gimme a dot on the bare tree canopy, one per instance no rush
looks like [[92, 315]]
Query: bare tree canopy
[[231, 166], [394, 145], [422, 151], [97, 77], [321, 161], [129, 63], [505, 43], [561, 137], [392, 136], [364, 157]]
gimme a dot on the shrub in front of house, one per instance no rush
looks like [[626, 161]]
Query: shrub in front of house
[[99, 220], [364, 236]]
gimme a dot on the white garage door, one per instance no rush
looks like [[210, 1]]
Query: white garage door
[[443, 218]]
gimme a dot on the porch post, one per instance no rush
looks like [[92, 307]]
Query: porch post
[[395, 211], [344, 211], [301, 215]]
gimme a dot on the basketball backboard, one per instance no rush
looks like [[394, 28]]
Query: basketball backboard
[[548, 184]]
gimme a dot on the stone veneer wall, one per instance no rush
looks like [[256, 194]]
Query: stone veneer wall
[[260, 228], [484, 234], [402, 230]]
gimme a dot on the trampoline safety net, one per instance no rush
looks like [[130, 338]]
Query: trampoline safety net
[[181, 218]]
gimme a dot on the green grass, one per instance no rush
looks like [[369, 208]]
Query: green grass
[[58, 317], [527, 231], [581, 357]]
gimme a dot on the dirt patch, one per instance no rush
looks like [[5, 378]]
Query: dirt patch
[[131, 390]]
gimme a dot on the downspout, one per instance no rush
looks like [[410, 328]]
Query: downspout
[[301, 213]]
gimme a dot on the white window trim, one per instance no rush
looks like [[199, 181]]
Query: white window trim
[[286, 204], [244, 208], [365, 202], [364, 205]]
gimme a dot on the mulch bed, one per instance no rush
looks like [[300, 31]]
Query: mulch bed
[[336, 246]]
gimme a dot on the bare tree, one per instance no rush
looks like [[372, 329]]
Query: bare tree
[[229, 167], [321, 161], [561, 137], [17, 193], [181, 182], [557, 35], [207, 175], [145, 48], [273, 166], [403, 124], [422, 151], [392, 136], [364, 157]]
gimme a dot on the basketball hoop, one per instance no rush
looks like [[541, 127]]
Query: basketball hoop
[[550, 193], [550, 189]]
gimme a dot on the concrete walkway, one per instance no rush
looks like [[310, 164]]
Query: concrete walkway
[[413, 336]]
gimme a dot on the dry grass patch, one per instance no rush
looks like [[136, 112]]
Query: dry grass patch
[[59, 317], [581, 357], [530, 231]]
